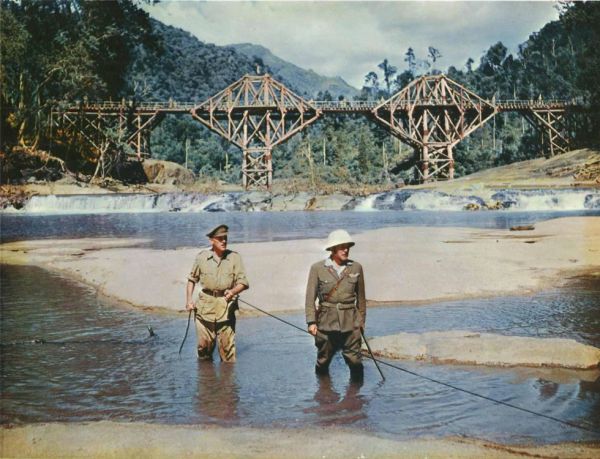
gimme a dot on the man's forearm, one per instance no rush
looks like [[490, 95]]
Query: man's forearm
[[230, 293], [189, 292]]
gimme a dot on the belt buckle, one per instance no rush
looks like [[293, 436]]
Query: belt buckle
[[215, 293]]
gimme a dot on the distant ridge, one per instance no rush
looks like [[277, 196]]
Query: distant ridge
[[183, 67], [307, 82]]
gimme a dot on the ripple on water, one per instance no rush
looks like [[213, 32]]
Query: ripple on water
[[100, 363]]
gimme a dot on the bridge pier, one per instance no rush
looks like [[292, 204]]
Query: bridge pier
[[111, 126], [256, 113], [257, 168], [450, 156], [551, 124], [433, 114]]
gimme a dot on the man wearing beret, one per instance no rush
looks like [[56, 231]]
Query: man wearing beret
[[222, 278], [337, 286]]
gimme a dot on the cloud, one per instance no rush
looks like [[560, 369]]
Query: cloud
[[349, 39]]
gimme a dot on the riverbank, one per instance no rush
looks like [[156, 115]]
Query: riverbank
[[110, 439], [579, 169], [402, 265]]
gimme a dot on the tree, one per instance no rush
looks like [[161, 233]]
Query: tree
[[63, 50], [433, 54], [372, 84], [411, 61], [388, 74]]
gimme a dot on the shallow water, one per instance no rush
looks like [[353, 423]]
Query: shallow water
[[66, 356], [171, 230]]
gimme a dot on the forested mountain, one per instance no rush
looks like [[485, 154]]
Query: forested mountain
[[306, 83], [181, 67], [63, 50]]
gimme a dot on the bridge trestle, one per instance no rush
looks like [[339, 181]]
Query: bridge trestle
[[110, 128], [256, 113], [551, 124], [432, 114]]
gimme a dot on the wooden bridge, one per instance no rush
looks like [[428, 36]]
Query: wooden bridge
[[432, 115]]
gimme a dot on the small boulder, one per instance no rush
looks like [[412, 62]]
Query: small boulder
[[167, 173], [522, 228]]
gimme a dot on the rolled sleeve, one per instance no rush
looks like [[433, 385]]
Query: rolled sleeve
[[194, 275], [240, 273]]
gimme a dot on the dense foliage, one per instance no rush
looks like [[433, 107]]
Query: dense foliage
[[64, 50]]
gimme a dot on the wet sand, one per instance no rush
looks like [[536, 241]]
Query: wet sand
[[402, 265], [128, 440], [471, 348]]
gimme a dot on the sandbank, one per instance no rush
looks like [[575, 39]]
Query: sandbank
[[127, 440], [402, 265], [470, 348]]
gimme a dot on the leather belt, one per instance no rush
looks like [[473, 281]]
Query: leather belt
[[215, 293], [339, 306]]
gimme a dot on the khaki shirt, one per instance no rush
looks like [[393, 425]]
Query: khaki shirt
[[339, 309], [215, 274]]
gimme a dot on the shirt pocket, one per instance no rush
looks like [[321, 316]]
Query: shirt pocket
[[349, 284], [325, 286], [229, 279], [208, 281]]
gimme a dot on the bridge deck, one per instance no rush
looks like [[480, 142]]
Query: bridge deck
[[108, 107]]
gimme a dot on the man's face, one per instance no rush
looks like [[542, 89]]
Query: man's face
[[340, 253], [219, 243]]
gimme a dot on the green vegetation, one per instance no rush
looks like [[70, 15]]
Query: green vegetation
[[65, 50]]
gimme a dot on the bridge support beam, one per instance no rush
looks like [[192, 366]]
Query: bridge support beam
[[433, 114], [257, 168], [256, 113], [122, 128], [551, 124]]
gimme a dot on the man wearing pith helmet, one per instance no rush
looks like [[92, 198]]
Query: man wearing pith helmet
[[336, 307], [222, 278]]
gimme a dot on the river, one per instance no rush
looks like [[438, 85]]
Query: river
[[69, 356]]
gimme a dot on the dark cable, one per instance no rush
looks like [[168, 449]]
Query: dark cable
[[510, 405]]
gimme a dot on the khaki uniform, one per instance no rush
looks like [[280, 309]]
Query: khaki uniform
[[215, 319], [340, 313]]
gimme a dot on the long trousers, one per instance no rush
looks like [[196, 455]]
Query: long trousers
[[329, 342], [209, 333]]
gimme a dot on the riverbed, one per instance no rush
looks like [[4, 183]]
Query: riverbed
[[70, 355]]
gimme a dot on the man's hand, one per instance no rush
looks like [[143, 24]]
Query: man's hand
[[229, 295], [312, 329], [190, 305]]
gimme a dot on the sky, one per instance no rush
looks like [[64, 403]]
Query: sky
[[349, 39]]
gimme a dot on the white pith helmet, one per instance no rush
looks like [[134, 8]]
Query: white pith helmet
[[338, 237]]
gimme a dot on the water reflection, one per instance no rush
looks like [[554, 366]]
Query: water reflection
[[332, 408], [218, 393]]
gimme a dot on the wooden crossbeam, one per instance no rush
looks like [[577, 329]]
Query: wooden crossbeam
[[256, 113]]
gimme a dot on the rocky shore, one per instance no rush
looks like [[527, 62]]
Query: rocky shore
[[489, 189]]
